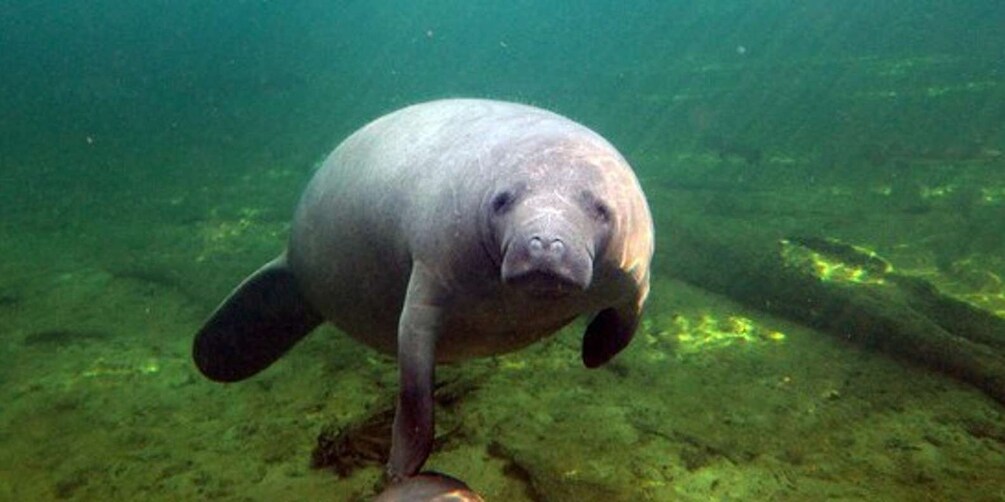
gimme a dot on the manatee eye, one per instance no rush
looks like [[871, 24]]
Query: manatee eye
[[597, 208], [602, 212], [502, 202]]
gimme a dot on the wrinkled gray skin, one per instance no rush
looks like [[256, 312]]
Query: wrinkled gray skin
[[443, 231]]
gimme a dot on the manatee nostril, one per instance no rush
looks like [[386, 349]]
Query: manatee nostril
[[535, 245]]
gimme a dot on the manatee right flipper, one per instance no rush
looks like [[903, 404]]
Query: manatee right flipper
[[262, 319], [609, 332]]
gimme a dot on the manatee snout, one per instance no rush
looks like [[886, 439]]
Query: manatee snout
[[547, 263]]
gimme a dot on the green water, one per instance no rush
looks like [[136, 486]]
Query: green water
[[151, 154]]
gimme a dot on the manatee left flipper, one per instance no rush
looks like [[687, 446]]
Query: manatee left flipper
[[609, 332], [418, 331], [261, 319]]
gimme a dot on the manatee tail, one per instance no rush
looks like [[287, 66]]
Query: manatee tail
[[262, 319]]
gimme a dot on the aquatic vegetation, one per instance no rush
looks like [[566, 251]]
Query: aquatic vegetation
[[62, 337], [833, 260], [683, 335]]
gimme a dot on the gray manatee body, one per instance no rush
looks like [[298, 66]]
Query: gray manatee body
[[447, 230]]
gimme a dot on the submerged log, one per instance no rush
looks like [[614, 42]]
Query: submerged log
[[846, 291]]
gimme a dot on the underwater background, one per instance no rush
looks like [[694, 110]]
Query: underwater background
[[827, 182]]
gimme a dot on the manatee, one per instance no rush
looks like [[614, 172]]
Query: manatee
[[429, 487], [443, 231]]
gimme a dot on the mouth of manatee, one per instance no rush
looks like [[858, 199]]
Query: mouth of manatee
[[545, 283]]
